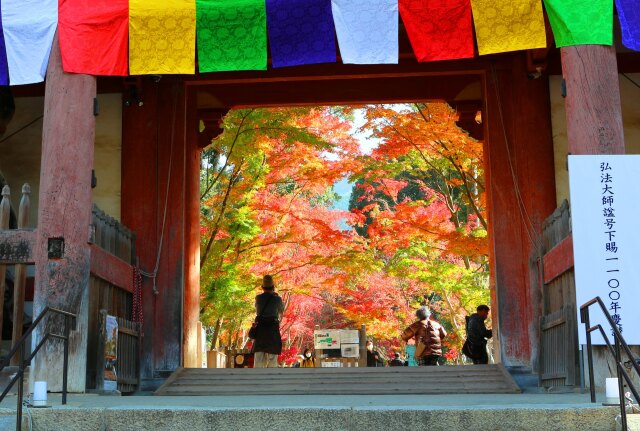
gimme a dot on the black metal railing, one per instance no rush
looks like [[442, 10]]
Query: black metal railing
[[69, 321], [619, 343]]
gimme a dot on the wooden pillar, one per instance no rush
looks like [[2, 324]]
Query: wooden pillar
[[5, 217], [64, 216], [153, 205], [191, 353], [20, 279], [593, 109], [520, 181], [139, 201]]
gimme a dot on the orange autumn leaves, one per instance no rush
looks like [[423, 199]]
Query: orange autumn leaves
[[268, 206]]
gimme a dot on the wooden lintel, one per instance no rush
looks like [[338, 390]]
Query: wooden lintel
[[558, 260], [112, 269], [16, 246]]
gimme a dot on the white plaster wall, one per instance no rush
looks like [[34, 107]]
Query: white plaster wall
[[107, 154], [20, 154], [630, 98]]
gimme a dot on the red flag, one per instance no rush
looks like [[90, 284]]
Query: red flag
[[438, 29], [94, 36]]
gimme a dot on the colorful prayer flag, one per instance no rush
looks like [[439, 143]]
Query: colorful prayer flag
[[93, 36], [438, 29], [581, 22], [367, 30], [300, 32], [629, 16], [28, 27], [509, 25], [162, 36], [4, 68], [231, 35]]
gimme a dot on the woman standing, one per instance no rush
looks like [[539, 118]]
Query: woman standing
[[268, 343]]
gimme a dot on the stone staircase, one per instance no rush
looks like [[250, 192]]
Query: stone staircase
[[471, 379]]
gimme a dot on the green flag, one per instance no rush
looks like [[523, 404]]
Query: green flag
[[581, 22], [232, 35]]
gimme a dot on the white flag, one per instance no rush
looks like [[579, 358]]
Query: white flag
[[367, 30], [29, 27]]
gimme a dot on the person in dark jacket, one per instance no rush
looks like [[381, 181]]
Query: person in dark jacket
[[428, 335], [267, 345], [373, 357], [477, 335], [396, 361]]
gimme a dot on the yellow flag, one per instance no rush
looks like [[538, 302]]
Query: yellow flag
[[508, 25], [162, 36]]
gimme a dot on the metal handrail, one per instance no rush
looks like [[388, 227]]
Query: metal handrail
[[69, 319], [614, 350]]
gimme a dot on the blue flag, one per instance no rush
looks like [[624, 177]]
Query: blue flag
[[629, 16], [4, 68], [300, 32]]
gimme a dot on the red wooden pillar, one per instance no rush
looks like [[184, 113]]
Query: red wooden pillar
[[593, 109], [520, 180], [64, 216], [153, 205], [191, 312], [139, 199]]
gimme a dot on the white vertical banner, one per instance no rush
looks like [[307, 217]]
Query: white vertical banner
[[605, 204]]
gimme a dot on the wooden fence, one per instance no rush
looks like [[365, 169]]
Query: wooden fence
[[561, 290], [20, 270], [112, 236], [116, 239], [559, 321], [559, 357], [127, 365]]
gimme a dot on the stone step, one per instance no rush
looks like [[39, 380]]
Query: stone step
[[341, 381], [376, 418]]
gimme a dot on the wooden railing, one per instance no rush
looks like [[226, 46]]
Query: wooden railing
[[20, 269], [559, 321]]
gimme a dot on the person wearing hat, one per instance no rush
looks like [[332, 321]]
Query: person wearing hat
[[428, 335], [267, 345]]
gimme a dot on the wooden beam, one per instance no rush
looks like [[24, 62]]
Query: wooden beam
[[111, 269], [558, 260], [339, 90], [17, 246]]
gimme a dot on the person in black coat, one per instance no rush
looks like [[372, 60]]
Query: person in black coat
[[267, 345], [396, 361], [477, 335], [373, 357]]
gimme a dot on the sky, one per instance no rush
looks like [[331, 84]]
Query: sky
[[367, 144]]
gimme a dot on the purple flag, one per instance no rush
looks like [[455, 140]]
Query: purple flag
[[629, 16], [4, 67], [300, 32]]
